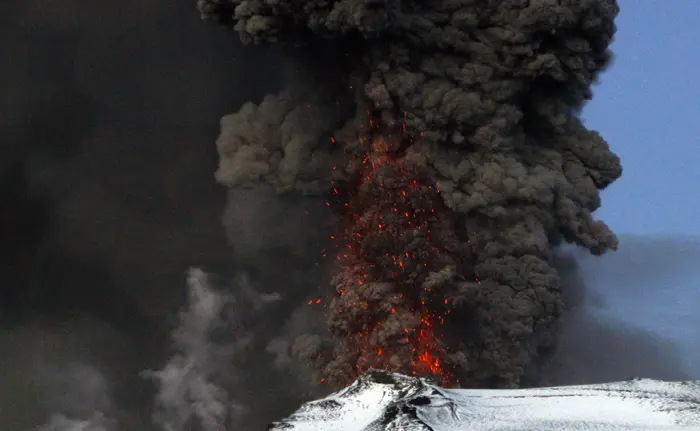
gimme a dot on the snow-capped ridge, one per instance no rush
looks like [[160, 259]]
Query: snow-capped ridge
[[386, 401]]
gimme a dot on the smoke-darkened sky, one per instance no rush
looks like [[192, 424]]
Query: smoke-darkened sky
[[109, 118], [109, 112]]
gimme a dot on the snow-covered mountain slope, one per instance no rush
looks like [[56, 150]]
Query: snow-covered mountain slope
[[382, 401]]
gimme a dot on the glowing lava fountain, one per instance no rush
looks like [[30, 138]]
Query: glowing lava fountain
[[399, 247]]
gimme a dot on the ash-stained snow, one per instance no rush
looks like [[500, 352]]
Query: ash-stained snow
[[393, 402]]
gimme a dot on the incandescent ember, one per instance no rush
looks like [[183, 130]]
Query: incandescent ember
[[392, 299]]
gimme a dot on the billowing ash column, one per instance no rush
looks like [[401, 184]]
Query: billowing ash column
[[444, 135]]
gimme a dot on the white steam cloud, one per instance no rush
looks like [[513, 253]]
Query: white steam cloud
[[186, 391], [195, 388]]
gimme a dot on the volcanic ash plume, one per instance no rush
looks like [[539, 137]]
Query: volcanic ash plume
[[445, 135]]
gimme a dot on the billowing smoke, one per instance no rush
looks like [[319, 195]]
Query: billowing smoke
[[198, 388], [106, 190], [187, 396], [210, 340], [597, 340], [445, 137]]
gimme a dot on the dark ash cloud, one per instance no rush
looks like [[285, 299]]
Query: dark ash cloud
[[465, 108]]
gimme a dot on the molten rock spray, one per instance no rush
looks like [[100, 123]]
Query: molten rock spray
[[446, 136]]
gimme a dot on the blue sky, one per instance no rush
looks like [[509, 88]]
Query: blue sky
[[647, 106]]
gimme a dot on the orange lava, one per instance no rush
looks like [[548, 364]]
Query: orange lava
[[413, 212]]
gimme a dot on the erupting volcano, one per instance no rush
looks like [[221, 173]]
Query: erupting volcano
[[444, 135], [391, 284]]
